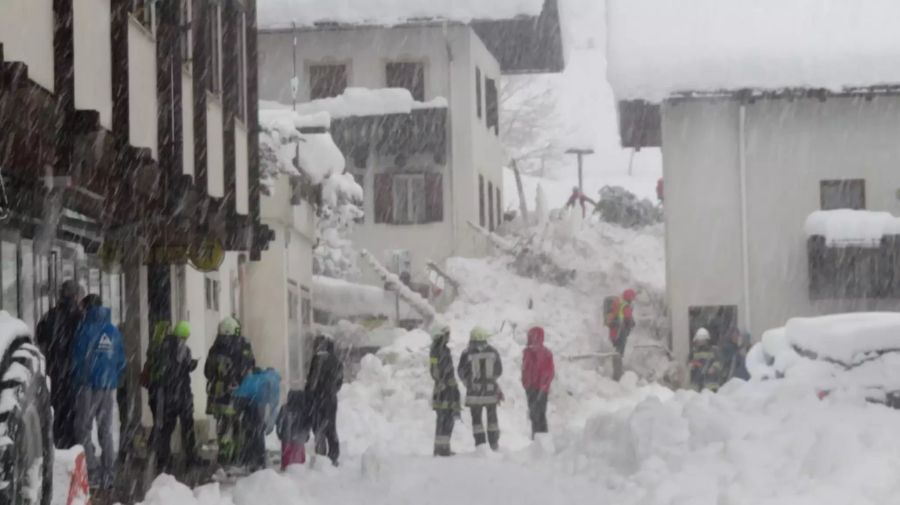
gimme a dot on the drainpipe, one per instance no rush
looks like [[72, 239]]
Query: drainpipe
[[449, 147], [745, 235]]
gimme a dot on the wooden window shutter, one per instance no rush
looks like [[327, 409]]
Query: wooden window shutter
[[434, 194], [384, 198]]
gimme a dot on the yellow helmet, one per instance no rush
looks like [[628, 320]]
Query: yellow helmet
[[479, 334]]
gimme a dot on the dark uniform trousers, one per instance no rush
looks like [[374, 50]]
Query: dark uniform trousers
[[492, 433]]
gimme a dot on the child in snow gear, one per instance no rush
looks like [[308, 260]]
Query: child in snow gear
[[445, 398], [537, 375], [619, 318], [293, 427], [256, 401], [55, 334], [706, 369], [479, 369], [229, 360], [98, 364], [326, 377], [176, 400]]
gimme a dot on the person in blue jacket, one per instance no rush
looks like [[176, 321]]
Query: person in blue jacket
[[256, 400], [98, 364]]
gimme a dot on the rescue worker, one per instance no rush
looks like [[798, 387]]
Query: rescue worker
[[734, 356], [479, 369], [256, 402], [705, 366], [176, 400], [152, 373], [326, 377], [229, 361], [620, 320], [55, 335], [580, 198], [537, 375], [98, 366], [445, 398]]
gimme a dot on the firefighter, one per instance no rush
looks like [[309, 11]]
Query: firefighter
[[229, 361], [445, 399], [706, 367], [479, 369], [325, 379], [176, 398], [619, 316]]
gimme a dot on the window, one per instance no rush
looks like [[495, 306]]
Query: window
[[492, 106], [478, 91], [305, 308], [481, 219], [295, 335], [9, 264], [409, 76], [327, 81], [214, 81], [186, 34], [409, 198], [499, 208], [491, 221], [843, 194], [242, 66], [145, 12], [212, 294]]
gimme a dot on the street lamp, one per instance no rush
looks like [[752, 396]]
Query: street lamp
[[581, 153]]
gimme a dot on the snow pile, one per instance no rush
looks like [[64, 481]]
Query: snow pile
[[317, 155], [363, 102], [283, 13], [847, 227], [349, 300], [166, 490], [660, 47]]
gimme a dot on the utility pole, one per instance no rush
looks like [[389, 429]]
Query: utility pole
[[581, 153]]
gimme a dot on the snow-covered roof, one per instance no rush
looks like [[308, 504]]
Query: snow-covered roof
[[847, 227], [274, 14], [657, 48]]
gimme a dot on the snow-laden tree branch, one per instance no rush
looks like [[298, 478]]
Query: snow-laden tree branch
[[530, 124]]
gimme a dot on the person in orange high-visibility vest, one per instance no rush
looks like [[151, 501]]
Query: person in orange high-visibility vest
[[620, 320]]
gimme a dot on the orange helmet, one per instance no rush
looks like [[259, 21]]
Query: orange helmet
[[629, 295]]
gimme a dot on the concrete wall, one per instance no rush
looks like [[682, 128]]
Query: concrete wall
[[242, 169], [790, 147], [187, 120], [93, 58], [26, 32], [450, 55], [215, 142]]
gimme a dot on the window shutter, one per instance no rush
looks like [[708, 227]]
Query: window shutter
[[384, 198], [434, 194]]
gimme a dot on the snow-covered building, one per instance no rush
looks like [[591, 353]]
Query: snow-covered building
[[427, 151], [129, 161], [777, 123]]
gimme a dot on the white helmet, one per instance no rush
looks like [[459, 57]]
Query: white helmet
[[702, 336]]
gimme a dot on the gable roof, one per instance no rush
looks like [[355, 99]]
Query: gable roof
[[523, 35]]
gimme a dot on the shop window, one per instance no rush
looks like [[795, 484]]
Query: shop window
[[481, 214], [327, 81], [9, 263], [305, 308], [843, 194], [409, 198], [478, 100], [492, 106], [409, 76]]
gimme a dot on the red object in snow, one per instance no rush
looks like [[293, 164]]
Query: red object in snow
[[537, 362], [822, 394], [292, 454], [79, 487]]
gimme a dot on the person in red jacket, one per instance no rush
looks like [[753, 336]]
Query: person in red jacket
[[537, 375]]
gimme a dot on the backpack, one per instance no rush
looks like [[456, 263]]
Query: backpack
[[609, 305], [263, 390]]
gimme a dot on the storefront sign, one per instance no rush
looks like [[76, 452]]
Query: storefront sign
[[208, 255]]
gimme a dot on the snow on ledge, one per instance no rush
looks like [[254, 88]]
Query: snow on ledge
[[363, 102], [318, 156], [846, 227], [657, 48], [275, 14]]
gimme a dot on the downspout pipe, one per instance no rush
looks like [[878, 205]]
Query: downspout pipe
[[449, 147], [745, 234]]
